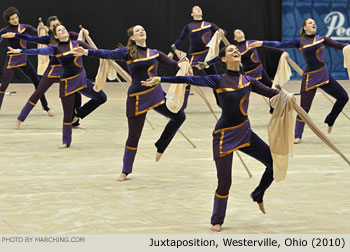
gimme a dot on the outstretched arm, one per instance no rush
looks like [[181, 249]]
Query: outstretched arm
[[51, 51], [260, 88], [334, 44], [119, 54], [166, 61], [211, 81], [179, 42], [294, 43]]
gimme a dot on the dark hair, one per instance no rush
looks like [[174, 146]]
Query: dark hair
[[9, 12], [50, 19], [222, 52], [131, 46], [302, 31], [54, 40]]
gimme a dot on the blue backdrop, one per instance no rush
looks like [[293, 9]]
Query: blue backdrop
[[332, 19]]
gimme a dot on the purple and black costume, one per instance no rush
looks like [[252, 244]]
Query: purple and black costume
[[315, 75], [19, 61], [51, 75], [142, 99], [199, 33], [72, 80], [233, 132]]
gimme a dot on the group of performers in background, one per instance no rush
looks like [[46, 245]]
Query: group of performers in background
[[244, 74]]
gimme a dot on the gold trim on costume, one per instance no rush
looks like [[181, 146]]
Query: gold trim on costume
[[245, 73], [150, 69], [240, 86], [66, 53], [300, 120], [130, 148], [19, 29], [231, 128], [67, 123], [53, 76], [241, 104], [201, 28], [76, 63], [20, 43], [31, 103], [203, 37], [144, 92], [307, 79], [143, 59], [247, 48], [312, 44], [251, 57], [220, 196], [9, 63], [317, 52], [2, 92], [66, 84]]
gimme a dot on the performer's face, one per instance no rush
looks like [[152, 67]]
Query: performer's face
[[53, 23], [139, 33], [196, 11], [310, 26], [61, 33], [232, 55], [14, 19], [238, 35]]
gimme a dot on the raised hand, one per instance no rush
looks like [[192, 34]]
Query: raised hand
[[11, 50], [79, 51], [256, 44], [8, 35], [151, 81]]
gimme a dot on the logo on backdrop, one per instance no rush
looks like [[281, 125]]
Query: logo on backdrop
[[335, 21]]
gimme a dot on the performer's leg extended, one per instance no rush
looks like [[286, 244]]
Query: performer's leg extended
[[171, 128], [334, 89], [44, 84], [30, 72], [97, 98], [259, 150]]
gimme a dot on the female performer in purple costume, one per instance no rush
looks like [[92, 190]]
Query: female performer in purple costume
[[232, 131], [72, 80], [11, 16], [51, 74], [315, 74], [142, 63]]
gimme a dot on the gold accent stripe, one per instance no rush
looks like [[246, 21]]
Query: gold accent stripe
[[66, 53], [317, 52], [247, 49], [2, 92], [130, 148], [196, 53], [300, 120], [150, 69], [231, 128], [245, 73], [31, 103], [220, 196], [144, 92], [230, 151], [241, 104], [67, 123], [201, 28], [251, 57], [314, 43], [143, 59], [145, 110]]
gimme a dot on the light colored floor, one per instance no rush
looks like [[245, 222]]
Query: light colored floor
[[45, 190]]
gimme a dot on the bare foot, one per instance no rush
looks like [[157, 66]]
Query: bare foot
[[75, 119], [297, 141], [330, 129], [261, 205], [158, 156], [63, 146], [122, 177], [216, 228], [17, 125], [50, 112], [79, 127]]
